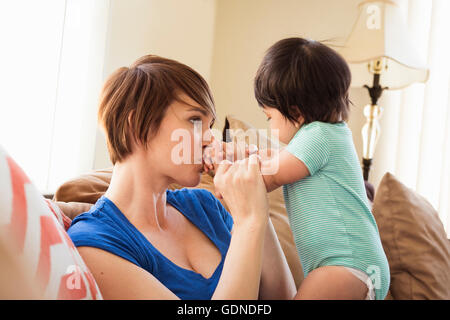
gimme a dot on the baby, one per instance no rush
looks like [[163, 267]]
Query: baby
[[302, 87]]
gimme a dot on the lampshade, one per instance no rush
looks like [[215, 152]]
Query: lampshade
[[380, 32]]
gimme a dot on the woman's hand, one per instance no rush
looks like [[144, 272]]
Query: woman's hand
[[242, 187]]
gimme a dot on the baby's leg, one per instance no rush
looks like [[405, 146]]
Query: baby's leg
[[331, 283]]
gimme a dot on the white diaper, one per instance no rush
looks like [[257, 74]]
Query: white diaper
[[366, 279]]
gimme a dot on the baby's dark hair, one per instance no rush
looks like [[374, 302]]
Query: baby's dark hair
[[305, 78]]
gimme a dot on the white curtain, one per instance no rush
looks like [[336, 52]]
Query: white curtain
[[415, 138], [51, 66]]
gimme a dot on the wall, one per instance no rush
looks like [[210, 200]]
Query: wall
[[51, 63]]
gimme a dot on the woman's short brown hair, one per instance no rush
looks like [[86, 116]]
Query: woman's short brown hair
[[301, 77], [134, 100]]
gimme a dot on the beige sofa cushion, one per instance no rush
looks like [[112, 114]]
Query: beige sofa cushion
[[86, 188], [414, 240]]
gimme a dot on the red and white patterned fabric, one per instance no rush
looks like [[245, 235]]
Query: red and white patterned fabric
[[40, 240], [63, 220]]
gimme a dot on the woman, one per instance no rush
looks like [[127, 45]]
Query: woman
[[143, 241]]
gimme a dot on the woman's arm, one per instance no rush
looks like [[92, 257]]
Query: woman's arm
[[277, 282], [242, 187], [241, 272]]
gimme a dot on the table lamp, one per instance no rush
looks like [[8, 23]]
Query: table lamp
[[379, 52]]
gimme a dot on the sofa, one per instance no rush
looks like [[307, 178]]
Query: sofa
[[411, 232]]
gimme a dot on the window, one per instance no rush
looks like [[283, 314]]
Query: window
[[52, 70]]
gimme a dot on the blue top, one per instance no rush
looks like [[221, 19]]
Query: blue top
[[105, 227]]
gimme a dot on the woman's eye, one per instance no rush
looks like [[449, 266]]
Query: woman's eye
[[194, 120]]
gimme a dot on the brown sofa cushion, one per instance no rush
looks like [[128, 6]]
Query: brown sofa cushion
[[414, 240], [86, 188]]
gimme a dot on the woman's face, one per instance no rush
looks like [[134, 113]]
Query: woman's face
[[285, 128], [177, 149]]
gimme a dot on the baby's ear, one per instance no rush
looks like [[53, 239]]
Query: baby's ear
[[295, 113], [299, 119]]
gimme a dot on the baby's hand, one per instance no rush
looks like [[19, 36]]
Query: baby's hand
[[217, 151]]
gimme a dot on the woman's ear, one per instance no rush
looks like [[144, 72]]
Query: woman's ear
[[131, 132], [130, 119]]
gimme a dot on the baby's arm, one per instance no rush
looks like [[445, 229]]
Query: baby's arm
[[280, 168]]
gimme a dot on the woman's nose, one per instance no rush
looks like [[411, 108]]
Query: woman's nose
[[208, 137]]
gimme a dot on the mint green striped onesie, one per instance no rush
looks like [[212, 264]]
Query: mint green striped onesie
[[328, 210]]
